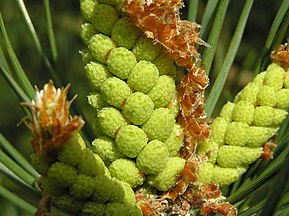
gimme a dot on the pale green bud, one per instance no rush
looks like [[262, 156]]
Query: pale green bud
[[70, 152], [96, 101], [168, 177], [159, 125], [143, 76], [165, 64], [110, 120], [96, 73], [133, 210], [104, 18], [219, 127], [283, 99], [126, 170], [82, 188], [227, 110], [274, 76], [249, 93], [264, 116], [259, 135], [115, 91], [205, 175], [259, 79], [105, 147], [243, 112], [226, 176], [102, 189], [86, 32], [130, 140], [91, 164], [120, 62], [279, 116], [117, 191], [146, 49], [138, 107], [129, 197], [234, 156], [236, 134], [86, 8], [163, 91], [175, 140], [62, 174], [251, 154], [230, 156], [99, 45], [124, 34], [153, 158], [267, 96]]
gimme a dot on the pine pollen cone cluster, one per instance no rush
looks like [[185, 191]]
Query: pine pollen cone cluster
[[154, 153]]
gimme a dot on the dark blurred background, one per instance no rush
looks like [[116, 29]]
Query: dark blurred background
[[66, 22]]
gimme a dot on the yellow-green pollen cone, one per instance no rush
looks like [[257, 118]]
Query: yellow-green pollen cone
[[243, 126], [134, 99]]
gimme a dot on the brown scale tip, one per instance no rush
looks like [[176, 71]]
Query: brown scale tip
[[160, 20], [50, 122], [280, 56]]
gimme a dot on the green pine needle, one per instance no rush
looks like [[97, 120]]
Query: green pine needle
[[22, 78], [231, 53], [17, 200], [209, 53]]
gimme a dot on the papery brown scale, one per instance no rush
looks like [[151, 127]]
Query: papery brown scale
[[147, 210], [268, 149], [45, 121], [209, 209], [227, 209], [210, 191], [193, 196], [50, 123], [280, 56], [177, 190]]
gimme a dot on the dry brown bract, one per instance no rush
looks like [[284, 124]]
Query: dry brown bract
[[280, 56], [160, 20], [50, 122]]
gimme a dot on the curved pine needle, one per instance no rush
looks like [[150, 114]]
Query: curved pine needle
[[22, 96], [208, 15], [276, 190], [279, 37], [10, 149], [22, 78], [209, 53], [14, 167], [283, 9], [193, 10], [17, 200], [231, 53], [50, 31], [19, 182]]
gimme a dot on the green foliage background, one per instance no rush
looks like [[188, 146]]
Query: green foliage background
[[66, 20]]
